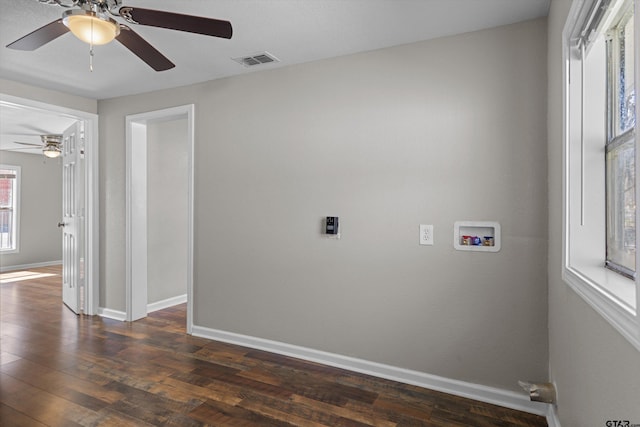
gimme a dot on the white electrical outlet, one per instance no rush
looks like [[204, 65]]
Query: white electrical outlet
[[426, 234]]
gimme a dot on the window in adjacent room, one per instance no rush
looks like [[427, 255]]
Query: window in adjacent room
[[600, 189], [9, 196]]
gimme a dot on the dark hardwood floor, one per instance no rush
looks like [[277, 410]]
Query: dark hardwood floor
[[59, 369]]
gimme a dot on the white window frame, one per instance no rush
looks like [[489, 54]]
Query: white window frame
[[584, 170], [615, 138], [610, 294], [16, 210]]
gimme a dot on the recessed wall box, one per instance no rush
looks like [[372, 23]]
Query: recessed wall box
[[481, 236], [331, 225]]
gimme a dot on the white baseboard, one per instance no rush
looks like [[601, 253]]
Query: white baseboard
[[6, 268], [552, 417], [496, 396], [166, 303], [112, 314]]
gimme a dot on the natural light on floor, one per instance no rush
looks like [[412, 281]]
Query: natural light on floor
[[18, 276]]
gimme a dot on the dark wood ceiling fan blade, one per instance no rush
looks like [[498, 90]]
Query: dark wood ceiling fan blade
[[176, 21], [143, 50], [40, 37]]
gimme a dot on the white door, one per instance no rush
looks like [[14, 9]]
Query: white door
[[72, 216]]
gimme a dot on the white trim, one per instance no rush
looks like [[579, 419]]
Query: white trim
[[613, 310], [552, 417], [112, 314], [190, 212], [92, 215], [614, 313], [92, 219], [166, 303], [184, 111], [16, 209], [496, 396], [136, 219], [31, 265]]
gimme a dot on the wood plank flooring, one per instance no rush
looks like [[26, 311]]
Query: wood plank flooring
[[59, 369]]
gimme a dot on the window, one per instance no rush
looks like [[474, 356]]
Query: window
[[9, 196], [599, 160], [620, 147]]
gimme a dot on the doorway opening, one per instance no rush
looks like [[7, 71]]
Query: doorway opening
[[82, 296], [159, 209]]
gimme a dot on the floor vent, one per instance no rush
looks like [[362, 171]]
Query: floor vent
[[257, 59]]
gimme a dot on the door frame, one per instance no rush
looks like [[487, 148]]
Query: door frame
[[136, 208], [92, 188]]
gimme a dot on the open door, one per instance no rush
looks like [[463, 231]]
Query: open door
[[73, 216]]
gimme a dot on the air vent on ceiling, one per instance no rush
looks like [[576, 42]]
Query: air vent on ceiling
[[257, 59]]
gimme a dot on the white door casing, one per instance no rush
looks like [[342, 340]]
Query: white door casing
[[136, 208]]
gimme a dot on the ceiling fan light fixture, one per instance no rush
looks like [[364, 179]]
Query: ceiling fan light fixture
[[52, 151], [91, 27], [52, 145]]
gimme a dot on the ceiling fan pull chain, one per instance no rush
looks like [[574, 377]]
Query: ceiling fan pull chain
[[91, 49]]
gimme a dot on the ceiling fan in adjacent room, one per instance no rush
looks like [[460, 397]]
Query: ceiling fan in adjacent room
[[51, 146], [91, 21]]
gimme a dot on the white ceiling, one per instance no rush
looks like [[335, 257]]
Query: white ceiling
[[18, 124], [295, 31]]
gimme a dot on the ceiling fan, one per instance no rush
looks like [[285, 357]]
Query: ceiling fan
[[89, 21], [51, 146]]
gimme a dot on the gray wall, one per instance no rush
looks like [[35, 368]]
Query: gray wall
[[167, 213], [431, 132], [40, 209], [48, 96], [596, 371]]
